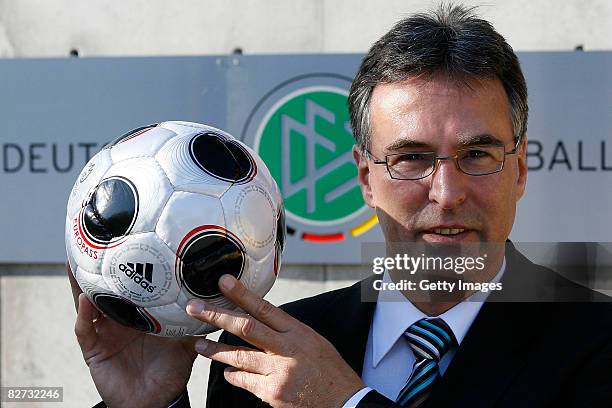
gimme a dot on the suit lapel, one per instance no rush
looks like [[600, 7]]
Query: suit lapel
[[493, 352], [348, 323]]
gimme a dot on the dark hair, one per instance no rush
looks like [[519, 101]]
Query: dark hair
[[452, 40]]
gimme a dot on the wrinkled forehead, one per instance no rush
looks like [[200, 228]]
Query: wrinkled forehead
[[442, 85], [426, 112]]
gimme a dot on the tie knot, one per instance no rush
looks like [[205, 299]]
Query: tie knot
[[430, 338]]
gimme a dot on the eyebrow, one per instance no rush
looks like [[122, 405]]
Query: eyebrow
[[482, 139], [405, 143], [464, 141]]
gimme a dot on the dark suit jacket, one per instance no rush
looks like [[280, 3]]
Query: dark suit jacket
[[553, 353]]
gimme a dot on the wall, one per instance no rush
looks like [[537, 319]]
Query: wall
[[31, 28]]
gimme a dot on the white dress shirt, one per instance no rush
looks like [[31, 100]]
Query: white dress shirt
[[388, 359]]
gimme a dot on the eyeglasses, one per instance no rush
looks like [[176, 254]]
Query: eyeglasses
[[477, 160]]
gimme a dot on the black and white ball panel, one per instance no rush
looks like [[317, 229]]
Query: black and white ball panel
[[125, 312], [184, 173], [89, 281], [260, 277], [207, 255], [129, 135], [182, 127], [250, 212], [222, 158], [145, 143], [89, 177], [113, 305], [68, 239], [174, 321], [152, 186], [111, 210], [141, 270], [281, 227], [278, 258], [183, 213]]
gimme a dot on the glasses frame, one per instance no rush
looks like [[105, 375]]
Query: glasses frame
[[437, 159]]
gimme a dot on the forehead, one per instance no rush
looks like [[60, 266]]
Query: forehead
[[438, 112]]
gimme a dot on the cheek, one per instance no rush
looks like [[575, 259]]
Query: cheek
[[497, 200], [400, 199]]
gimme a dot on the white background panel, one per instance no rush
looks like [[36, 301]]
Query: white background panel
[[159, 288], [185, 211], [184, 173], [182, 127], [146, 144], [175, 320], [261, 275], [250, 213], [152, 185]]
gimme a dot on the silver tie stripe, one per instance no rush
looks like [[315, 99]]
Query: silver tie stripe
[[429, 339]]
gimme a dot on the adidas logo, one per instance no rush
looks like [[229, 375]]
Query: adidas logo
[[140, 273]]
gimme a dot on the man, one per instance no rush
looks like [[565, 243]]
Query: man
[[448, 83], [439, 111]]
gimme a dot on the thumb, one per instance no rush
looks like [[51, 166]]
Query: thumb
[[84, 327]]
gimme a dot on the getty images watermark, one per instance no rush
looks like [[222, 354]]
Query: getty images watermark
[[486, 271], [431, 265], [442, 272]]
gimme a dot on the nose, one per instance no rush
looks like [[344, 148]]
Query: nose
[[448, 185]]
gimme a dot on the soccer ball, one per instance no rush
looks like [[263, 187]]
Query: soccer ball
[[157, 216]]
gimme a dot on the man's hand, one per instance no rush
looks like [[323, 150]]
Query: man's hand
[[130, 368], [293, 366]]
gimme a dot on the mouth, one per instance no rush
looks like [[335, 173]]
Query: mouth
[[451, 233], [448, 231]]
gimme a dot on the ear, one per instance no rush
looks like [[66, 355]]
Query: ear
[[521, 181], [363, 175]]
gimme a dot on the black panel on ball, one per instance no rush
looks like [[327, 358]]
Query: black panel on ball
[[281, 228], [123, 312], [95, 226], [111, 211], [243, 161], [206, 259], [220, 158]]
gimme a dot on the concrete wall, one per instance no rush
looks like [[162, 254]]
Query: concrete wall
[[37, 315], [35, 28]]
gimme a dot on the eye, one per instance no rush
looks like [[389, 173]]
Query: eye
[[477, 154], [411, 157]]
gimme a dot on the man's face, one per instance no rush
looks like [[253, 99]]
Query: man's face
[[439, 115]]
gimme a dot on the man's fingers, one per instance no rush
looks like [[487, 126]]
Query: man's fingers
[[254, 305], [253, 383], [76, 290], [240, 324], [84, 327], [243, 358]]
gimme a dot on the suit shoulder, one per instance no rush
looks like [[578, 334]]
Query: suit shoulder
[[307, 310], [312, 307], [532, 282]]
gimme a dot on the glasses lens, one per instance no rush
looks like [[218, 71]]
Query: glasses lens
[[409, 166], [480, 160]]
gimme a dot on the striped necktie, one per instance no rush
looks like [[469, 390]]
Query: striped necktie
[[429, 339]]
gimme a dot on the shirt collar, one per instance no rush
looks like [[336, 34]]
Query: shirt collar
[[396, 313]]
